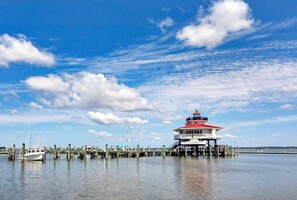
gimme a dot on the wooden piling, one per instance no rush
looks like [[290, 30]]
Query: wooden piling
[[23, 152], [11, 153], [55, 152], [163, 151], [194, 151], [118, 151], [204, 151], [69, 152], [106, 152], [186, 153], [137, 151]]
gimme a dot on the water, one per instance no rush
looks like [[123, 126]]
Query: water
[[243, 177]]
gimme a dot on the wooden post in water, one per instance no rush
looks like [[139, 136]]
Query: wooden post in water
[[217, 151], [106, 151], [23, 152], [204, 151], [137, 151], [118, 151], [69, 152], [186, 153], [195, 151], [237, 151], [55, 152], [163, 151], [13, 151]]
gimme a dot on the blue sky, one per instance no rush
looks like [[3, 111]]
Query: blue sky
[[77, 71]]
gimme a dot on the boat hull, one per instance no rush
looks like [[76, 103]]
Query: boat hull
[[34, 157]]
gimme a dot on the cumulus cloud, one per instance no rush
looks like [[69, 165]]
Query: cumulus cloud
[[22, 50], [86, 90], [167, 22], [100, 133], [50, 84], [287, 107], [107, 119], [224, 18]]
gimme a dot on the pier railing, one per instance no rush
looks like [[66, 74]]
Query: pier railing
[[197, 136]]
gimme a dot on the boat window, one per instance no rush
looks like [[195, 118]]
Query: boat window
[[29, 151], [42, 150], [33, 151], [37, 150]]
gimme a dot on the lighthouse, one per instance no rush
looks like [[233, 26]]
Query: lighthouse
[[196, 133]]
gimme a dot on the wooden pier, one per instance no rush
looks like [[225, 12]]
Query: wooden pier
[[117, 152]]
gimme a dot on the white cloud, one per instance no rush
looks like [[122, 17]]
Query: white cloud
[[224, 91], [229, 136], [225, 17], [287, 107], [107, 119], [33, 118], [100, 133], [278, 134], [290, 88], [135, 120], [22, 50], [35, 105], [51, 84], [13, 111], [275, 120], [86, 90], [167, 22], [167, 122]]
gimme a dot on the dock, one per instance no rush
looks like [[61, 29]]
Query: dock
[[110, 152]]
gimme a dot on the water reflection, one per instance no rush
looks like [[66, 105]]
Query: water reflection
[[151, 178]]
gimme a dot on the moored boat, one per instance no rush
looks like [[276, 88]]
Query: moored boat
[[34, 154]]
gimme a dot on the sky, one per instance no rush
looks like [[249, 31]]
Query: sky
[[115, 71]]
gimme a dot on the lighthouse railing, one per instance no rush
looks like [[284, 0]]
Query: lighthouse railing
[[197, 136]]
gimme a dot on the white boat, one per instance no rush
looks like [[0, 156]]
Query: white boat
[[34, 154]]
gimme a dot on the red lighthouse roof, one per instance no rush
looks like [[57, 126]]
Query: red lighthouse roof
[[198, 122], [193, 126]]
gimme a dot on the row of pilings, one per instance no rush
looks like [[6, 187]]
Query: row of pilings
[[117, 152]]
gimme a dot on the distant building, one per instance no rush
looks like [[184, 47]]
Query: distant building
[[196, 132]]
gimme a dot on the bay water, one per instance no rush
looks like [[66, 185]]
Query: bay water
[[243, 177]]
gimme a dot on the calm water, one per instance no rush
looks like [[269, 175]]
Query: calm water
[[244, 177]]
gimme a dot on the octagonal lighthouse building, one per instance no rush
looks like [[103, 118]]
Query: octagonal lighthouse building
[[197, 133]]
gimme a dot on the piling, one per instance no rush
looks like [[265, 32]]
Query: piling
[[11, 153], [237, 151], [106, 152], [217, 151], [55, 152], [163, 151], [195, 151], [204, 151], [23, 152], [137, 151], [118, 151], [186, 153], [69, 152]]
